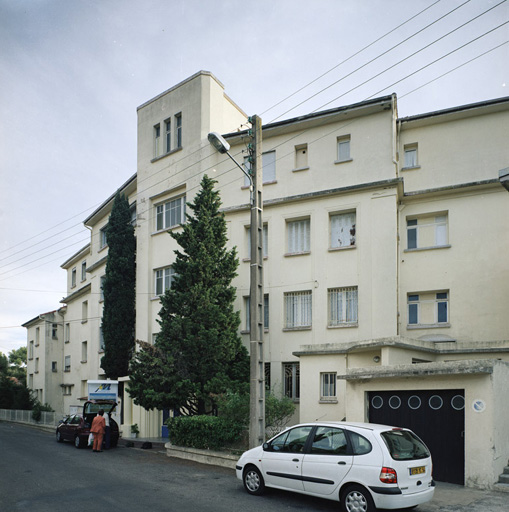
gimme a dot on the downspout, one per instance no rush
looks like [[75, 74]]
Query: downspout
[[395, 145]]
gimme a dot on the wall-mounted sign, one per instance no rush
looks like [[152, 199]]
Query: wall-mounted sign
[[479, 405]]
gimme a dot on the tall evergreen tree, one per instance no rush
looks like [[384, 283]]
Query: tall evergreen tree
[[198, 351], [119, 290]]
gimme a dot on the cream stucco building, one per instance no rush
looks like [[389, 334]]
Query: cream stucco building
[[385, 274]]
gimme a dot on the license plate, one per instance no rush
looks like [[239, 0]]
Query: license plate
[[418, 471]]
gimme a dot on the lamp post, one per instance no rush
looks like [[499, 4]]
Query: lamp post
[[257, 370]]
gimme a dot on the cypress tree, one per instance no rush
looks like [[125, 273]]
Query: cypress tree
[[119, 290], [198, 351]]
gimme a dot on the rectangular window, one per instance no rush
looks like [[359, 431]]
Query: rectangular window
[[67, 333], [178, 122], [265, 241], [163, 279], [67, 364], [342, 230], [53, 366], [427, 232], [298, 309], [299, 236], [84, 311], [73, 277], [83, 270], [301, 156], [328, 386], [267, 378], [132, 209], [343, 306], [268, 167], [247, 301], [157, 140], [103, 242], [31, 349], [37, 336], [101, 293], [428, 309], [344, 149], [54, 331], [167, 128], [171, 213], [84, 353], [410, 156], [36, 365], [292, 380]]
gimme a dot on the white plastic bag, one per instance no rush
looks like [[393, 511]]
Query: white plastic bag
[[90, 439]]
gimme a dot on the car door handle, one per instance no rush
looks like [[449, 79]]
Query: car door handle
[[295, 460], [342, 463]]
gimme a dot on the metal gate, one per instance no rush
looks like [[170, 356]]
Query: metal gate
[[436, 416]]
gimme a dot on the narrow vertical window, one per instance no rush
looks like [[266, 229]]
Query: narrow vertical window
[[299, 236], [167, 128], [157, 140], [413, 309], [83, 270], [301, 156], [84, 352], [73, 277], [178, 122], [292, 380], [265, 241], [410, 156]]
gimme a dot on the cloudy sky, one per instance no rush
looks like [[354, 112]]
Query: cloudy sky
[[72, 73]]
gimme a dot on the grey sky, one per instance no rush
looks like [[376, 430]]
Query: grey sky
[[72, 73]]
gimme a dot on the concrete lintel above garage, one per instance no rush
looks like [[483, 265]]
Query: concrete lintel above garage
[[485, 366]]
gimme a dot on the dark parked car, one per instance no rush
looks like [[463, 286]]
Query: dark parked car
[[76, 427]]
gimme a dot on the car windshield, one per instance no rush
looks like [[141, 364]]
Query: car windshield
[[404, 445]]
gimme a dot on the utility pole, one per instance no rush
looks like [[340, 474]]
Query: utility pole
[[257, 372]]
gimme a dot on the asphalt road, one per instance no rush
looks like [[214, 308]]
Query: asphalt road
[[37, 474]]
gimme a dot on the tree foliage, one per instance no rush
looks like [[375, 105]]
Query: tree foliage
[[198, 352], [119, 290]]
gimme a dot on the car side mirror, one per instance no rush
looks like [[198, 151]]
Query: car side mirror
[[266, 447]]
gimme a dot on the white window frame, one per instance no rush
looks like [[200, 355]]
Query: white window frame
[[268, 168], [83, 270], [67, 364], [163, 216], [439, 222], [344, 150], [440, 302], [163, 279], [298, 310], [73, 277], [410, 158], [343, 229], [84, 351], [157, 140], [103, 239], [298, 236], [328, 386], [178, 130], [343, 306], [167, 135], [67, 333], [301, 157]]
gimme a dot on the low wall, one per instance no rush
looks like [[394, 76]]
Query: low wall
[[211, 457], [48, 419]]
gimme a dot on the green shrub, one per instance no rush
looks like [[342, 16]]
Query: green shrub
[[37, 410], [204, 432]]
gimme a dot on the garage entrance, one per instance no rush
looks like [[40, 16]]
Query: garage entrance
[[436, 416]]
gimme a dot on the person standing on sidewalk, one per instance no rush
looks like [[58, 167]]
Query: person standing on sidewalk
[[98, 428]]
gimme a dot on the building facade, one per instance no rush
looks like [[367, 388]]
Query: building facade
[[384, 261]]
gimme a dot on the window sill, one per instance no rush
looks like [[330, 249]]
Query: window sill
[[292, 254], [67, 341], [37, 371], [344, 248], [343, 326], [84, 321], [82, 362], [428, 326], [343, 161], [67, 371], [54, 371], [413, 168], [301, 169], [303, 328], [160, 157], [156, 297], [247, 260], [417, 249], [101, 249], [165, 230], [328, 401]]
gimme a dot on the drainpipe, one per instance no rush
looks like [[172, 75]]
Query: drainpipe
[[395, 144]]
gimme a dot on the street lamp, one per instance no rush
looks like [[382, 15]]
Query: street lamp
[[257, 370]]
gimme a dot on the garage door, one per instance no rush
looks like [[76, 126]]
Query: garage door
[[436, 416]]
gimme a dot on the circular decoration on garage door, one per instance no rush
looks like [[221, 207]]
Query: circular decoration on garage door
[[414, 402], [395, 402], [377, 402], [436, 402], [458, 402]]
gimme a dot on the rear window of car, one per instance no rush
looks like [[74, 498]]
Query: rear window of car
[[360, 444], [404, 445]]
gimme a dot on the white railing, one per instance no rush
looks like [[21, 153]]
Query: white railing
[[47, 418]]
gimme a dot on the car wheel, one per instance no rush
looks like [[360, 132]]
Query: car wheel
[[59, 437], [253, 481], [356, 498], [78, 442]]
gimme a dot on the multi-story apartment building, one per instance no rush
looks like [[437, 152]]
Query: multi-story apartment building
[[384, 262]]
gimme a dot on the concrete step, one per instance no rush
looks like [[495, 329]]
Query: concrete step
[[506, 470], [501, 487], [503, 478]]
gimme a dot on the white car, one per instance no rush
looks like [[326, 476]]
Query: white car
[[362, 465]]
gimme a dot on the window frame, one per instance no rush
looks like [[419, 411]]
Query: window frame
[[300, 305], [67, 364], [352, 233], [83, 270], [178, 130], [166, 274], [157, 140], [247, 302], [328, 395], [268, 162], [163, 211], [167, 135], [291, 375], [346, 314], [73, 277], [437, 221], [299, 244], [441, 305], [344, 141], [410, 162]]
